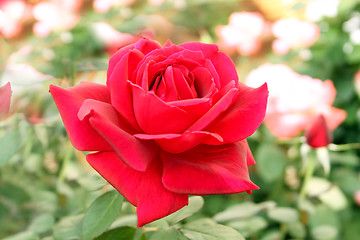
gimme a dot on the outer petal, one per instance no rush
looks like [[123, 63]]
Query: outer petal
[[5, 96], [244, 116], [117, 132], [178, 143], [154, 116], [69, 101], [142, 189], [208, 170]]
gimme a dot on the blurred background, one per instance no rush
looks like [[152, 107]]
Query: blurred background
[[307, 149]]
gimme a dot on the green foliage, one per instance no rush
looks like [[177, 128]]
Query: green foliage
[[102, 212]]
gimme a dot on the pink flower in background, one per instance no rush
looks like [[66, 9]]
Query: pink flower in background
[[295, 100], [12, 14], [103, 6], [243, 34], [171, 121], [55, 15], [5, 97], [112, 39], [293, 33]]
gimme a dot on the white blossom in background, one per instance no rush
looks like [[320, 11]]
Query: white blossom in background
[[317, 9]]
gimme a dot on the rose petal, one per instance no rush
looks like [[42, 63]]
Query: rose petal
[[155, 116], [178, 143], [225, 68], [69, 101], [286, 125], [118, 133], [334, 117], [223, 64], [215, 111], [142, 189], [120, 89], [208, 50], [247, 112], [208, 170], [204, 82], [144, 46], [115, 58], [105, 109], [197, 107], [5, 97], [184, 90], [171, 93], [134, 152]]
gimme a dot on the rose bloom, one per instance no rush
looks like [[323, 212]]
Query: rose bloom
[[293, 33], [55, 15], [170, 122], [5, 97], [243, 34], [295, 100]]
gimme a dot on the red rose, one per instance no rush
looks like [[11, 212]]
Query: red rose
[[171, 121]]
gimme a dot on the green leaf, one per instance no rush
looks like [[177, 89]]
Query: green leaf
[[297, 230], [210, 232], [10, 144], [167, 234], [327, 192], [323, 215], [102, 212], [283, 214], [324, 232], [27, 235], [272, 235], [195, 204], [122, 233], [68, 228], [42, 223], [3, 210], [13, 192], [270, 162], [243, 210], [248, 226]]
